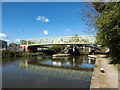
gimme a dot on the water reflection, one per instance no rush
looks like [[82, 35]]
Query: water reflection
[[76, 62], [56, 63], [47, 71], [77, 68]]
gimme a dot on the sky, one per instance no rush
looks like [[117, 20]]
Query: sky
[[30, 20]]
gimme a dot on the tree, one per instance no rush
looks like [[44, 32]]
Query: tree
[[108, 25], [106, 20]]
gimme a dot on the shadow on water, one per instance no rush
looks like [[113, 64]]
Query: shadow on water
[[48, 72]]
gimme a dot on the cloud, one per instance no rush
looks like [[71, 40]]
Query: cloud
[[45, 32], [46, 20], [12, 41], [30, 39], [7, 40], [68, 30], [3, 35], [17, 40], [42, 18]]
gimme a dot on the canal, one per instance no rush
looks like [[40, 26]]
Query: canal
[[47, 72]]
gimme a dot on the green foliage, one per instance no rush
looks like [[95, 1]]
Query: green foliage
[[114, 60], [8, 53], [33, 54], [108, 25], [105, 18], [119, 67], [57, 48]]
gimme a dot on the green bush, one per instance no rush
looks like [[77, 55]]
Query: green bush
[[57, 48], [33, 54], [8, 53]]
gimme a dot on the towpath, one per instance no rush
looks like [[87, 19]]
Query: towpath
[[108, 79]]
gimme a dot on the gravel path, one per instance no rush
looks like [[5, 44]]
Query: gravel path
[[109, 79]]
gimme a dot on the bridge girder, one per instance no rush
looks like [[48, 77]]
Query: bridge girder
[[89, 39]]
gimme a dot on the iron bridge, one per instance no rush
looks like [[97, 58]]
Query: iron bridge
[[66, 40]]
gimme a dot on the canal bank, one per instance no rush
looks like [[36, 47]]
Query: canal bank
[[106, 79]]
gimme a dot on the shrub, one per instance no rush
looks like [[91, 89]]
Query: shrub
[[8, 53]]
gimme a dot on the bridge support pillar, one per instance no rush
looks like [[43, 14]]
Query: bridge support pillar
[[25, 48], [85, 49], [73, 49], [89, 50]]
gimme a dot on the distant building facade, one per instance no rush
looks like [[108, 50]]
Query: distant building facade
[[13, 46], [3, 45], [20, 47]]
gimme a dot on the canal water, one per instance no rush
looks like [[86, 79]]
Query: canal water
[[47, 72]]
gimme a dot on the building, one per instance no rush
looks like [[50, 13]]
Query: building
[[3, 45], [13, 46], [20, 47]]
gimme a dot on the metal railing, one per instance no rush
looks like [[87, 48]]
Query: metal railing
[[89, 39]]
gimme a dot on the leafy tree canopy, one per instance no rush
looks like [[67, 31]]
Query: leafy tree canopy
[[105, 17]]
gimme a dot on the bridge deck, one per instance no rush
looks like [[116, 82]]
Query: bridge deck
[[89, 39]]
